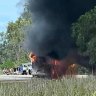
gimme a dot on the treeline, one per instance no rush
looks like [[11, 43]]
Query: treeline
[[84, 34], [12, 52]]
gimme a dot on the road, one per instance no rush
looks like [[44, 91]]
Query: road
[[29, 77], [15, 77]]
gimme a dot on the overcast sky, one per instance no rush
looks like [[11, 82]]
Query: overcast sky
[[9, 11]]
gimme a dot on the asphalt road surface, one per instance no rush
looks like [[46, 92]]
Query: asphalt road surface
[[15, 77], [28, 77]]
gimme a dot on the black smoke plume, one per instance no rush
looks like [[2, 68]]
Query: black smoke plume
[[50, 32]]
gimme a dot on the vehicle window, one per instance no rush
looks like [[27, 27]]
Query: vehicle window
[[25, 66]]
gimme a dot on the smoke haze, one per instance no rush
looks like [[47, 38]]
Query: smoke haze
[[50, 32]]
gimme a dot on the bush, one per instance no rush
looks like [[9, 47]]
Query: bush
[[7, 64]]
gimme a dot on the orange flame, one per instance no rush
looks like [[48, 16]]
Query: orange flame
[[32, 57]]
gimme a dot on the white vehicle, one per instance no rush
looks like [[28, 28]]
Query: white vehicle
[[25, 68]]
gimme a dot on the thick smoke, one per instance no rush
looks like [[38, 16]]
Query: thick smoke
[[50, 32]]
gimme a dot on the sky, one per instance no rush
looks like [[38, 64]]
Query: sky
[[9, 11]]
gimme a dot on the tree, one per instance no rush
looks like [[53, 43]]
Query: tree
[[11, 41], [15, 38], [11, 47], [84, 33], [2, 46], [7, 64]]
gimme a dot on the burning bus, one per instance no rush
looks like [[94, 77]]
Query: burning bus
[[44, 66]]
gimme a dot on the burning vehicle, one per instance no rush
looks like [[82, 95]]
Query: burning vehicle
[[44, 66]]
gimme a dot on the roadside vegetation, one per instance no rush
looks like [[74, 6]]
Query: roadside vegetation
[[84, 34], [1, 71], [41, 87]]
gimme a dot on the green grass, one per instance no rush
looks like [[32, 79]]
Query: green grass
[[42, 87], [1, 72]]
